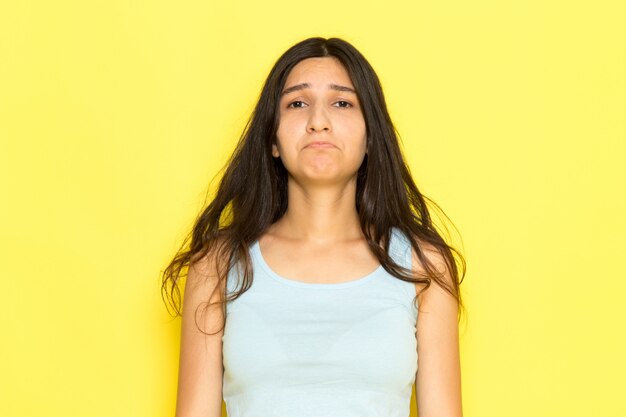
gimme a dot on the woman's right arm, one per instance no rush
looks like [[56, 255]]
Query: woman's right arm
[[200, 368]]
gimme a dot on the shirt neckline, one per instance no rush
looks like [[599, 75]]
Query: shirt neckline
[[256, 248]]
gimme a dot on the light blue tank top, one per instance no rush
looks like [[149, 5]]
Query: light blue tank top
[[296, 349]]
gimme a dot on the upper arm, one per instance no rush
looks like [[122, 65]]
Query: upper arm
[[200, 367], [438, 378]]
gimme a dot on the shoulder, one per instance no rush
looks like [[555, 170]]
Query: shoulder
[[436, 259], [205, 267]]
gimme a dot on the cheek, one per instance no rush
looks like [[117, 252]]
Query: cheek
[[356, 134], [285, 141], [286, 127]]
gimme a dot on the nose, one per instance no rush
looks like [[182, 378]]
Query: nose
[[318, 119]]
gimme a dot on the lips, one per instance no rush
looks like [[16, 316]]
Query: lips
[[320, 144]]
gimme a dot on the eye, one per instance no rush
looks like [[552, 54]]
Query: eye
[[294, 104], [344, 104]]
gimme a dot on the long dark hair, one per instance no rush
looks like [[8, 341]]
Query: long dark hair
[[252, 193]]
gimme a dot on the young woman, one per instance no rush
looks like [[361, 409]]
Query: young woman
[[312, 259]]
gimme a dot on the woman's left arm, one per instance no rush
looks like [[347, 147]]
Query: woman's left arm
[[438, 378]]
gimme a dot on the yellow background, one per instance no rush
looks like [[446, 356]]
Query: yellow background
[[115, 115]]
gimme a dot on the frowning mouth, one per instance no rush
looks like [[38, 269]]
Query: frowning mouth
[[320, 144]]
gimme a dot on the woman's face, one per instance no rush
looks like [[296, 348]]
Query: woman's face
[[319, 104]]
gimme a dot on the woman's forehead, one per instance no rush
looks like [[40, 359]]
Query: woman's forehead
[[320, 73], [314, 70]]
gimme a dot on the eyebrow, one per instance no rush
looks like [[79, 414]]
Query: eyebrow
[[307, 85]]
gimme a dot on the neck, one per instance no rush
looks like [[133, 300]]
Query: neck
[[320, 214]]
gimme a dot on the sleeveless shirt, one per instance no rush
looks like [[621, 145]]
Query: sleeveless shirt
[[297, 349]]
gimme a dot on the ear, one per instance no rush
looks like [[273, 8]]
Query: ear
[[275, 153]]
